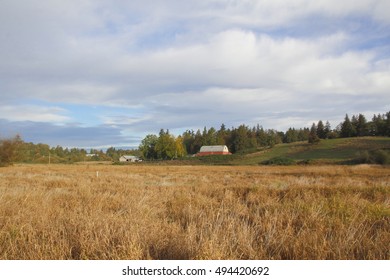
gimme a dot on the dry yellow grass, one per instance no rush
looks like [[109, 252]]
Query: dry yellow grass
[[200, 212]]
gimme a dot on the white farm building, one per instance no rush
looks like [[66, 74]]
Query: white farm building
[[129, 159], [213, 150]]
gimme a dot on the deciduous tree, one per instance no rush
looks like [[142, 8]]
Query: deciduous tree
[[148, 146], [9, 150]]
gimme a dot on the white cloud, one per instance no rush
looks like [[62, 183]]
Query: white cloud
[[271, 13], [236, 68], [237, 58], [33, 113], [193, 62], [81, 93]]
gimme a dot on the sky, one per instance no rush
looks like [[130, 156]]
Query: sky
[[95, 74]]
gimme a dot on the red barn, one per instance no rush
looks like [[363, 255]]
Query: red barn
[[213, 150]]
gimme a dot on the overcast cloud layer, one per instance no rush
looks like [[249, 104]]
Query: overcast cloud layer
[[92, 73]]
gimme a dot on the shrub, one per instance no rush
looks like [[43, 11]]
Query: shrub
[[381, 157], [279, 161], [374, 157], [305, 162]]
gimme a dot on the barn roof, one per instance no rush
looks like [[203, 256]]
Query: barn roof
[[129, 157], [216, 148]]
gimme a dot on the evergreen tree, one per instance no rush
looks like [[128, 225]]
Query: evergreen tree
[[373, 127], [273, 137], [354, 122], [290, 136], [379, 125], [240, 138], [347, 129], [321, 130], [261, 136], [210, 137], [221, 135], [361, 126], [313, 137], [303, 134], [387, 124], [113, 154], [198, 142], [327, 129], [188, 141], [205, 140]]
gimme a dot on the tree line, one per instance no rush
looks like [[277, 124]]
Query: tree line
[[16, 150], [167, 146], [244, 138]]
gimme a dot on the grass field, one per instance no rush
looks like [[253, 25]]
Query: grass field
[[328, 151], [194, 212]]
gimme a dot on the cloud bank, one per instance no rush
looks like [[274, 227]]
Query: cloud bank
[[118, 70]]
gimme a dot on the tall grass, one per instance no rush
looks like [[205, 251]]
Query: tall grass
[[173, 212]]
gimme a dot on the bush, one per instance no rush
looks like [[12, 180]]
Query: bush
[[381, 157], [8, 150], [374, 157], [305, 162], [279, 161]]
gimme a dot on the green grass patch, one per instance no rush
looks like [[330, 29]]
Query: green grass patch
[[357, 150], [332, 151]]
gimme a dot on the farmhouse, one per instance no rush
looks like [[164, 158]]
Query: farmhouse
[[213, 150], [129, 159], [91, 155]]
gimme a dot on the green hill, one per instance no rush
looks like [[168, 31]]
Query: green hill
[[329, 151], [343, 150]]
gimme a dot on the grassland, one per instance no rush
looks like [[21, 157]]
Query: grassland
[[328, 151], [194, 212]]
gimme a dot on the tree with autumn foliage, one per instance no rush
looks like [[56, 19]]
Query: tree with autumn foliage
[[9, 150]]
